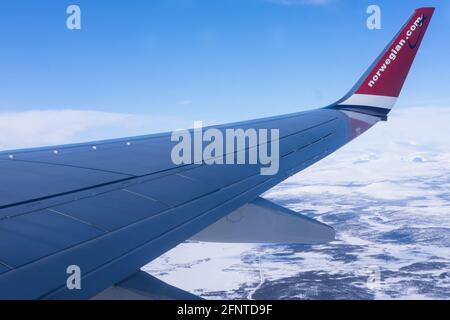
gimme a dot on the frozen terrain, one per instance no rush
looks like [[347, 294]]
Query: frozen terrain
[[388, 197]]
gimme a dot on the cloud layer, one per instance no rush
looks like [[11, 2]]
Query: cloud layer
[[50, 127]]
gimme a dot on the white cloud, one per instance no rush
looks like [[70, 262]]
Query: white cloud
[[425, 128], [414, 142], [49, 127]]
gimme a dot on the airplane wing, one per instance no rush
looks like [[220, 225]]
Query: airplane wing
[[110, 207]]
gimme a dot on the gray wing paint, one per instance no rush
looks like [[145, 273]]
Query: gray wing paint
[[262, 221], [110, 207]]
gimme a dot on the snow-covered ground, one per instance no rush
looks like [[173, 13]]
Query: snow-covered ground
[[387, 194]]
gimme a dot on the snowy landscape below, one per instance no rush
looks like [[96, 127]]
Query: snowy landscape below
[[387, 194]]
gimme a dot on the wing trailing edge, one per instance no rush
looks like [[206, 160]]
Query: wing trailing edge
[[262, 221]]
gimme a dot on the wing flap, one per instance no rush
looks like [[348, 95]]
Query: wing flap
[[262, 221]]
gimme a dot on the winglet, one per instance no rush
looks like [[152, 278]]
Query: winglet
[[380, 86], [387, 77], [374, 95]]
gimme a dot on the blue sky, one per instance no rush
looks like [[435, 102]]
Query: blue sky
[[218, 60]]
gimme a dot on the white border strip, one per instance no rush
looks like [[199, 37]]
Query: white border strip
[[370, 101]]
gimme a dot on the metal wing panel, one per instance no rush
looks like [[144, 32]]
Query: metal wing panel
[[25, 181], [172, 190], [304, 138], [223, 175], [36, 235], [112, 210]]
